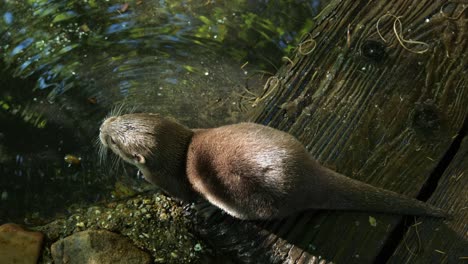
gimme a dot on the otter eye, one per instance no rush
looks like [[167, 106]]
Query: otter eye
[[138, 158]]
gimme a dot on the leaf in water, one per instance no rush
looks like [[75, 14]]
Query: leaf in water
[[249, 19], [205, 20], [42, 124], [189, 68], [372, 221], [64, 16], [67, 48], [37, 2], [85, 28], [5, 106], [203, 32], [42, 12], [92, 3]]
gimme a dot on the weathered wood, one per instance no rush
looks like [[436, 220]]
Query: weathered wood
[[248, 241], [432, 241], [381, 109]]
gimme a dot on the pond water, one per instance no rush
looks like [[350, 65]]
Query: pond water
[[67, 64]]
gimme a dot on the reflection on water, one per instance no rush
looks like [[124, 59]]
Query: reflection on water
[[60, 40], [69, 62]]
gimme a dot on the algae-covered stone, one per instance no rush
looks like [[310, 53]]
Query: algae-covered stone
[[165, 228], [97, 246]]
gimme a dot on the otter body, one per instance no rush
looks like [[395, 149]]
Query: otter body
[[248, 170]]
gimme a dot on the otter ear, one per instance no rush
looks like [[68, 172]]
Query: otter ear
[[139, 158]]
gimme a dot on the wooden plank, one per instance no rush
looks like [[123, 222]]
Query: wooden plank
[[248, 241], [436, 241], [380, 109]]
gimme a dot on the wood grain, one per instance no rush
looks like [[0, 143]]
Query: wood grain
[[435, 241], [385, 120]]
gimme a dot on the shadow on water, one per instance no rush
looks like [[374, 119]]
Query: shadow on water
[[65, 64]]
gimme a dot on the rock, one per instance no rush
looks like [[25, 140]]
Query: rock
[[97, 246], [155, 223], [18, 245]]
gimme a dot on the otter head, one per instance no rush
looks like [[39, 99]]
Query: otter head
[[157, 146], [132, 137]]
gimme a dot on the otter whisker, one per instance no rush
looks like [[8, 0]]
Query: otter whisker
[[134, 109], [102, 153], [117, 109], [114, 162]]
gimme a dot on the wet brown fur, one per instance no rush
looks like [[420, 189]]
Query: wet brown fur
[[248, 170]]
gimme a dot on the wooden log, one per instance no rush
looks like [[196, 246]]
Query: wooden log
[[432, 241], [376, 91]]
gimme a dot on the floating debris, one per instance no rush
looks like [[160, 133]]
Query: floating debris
[[197, 247], [72, 160], [123, 8], [4, 196]]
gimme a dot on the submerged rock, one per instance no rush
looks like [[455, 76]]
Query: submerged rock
[[97, 246], [18, 245]]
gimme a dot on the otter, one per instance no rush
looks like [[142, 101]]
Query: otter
[[251, 171]]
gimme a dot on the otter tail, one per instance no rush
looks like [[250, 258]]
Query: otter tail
[[343, 193]]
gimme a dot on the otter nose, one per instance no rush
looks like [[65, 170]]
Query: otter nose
[[107, 122]]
